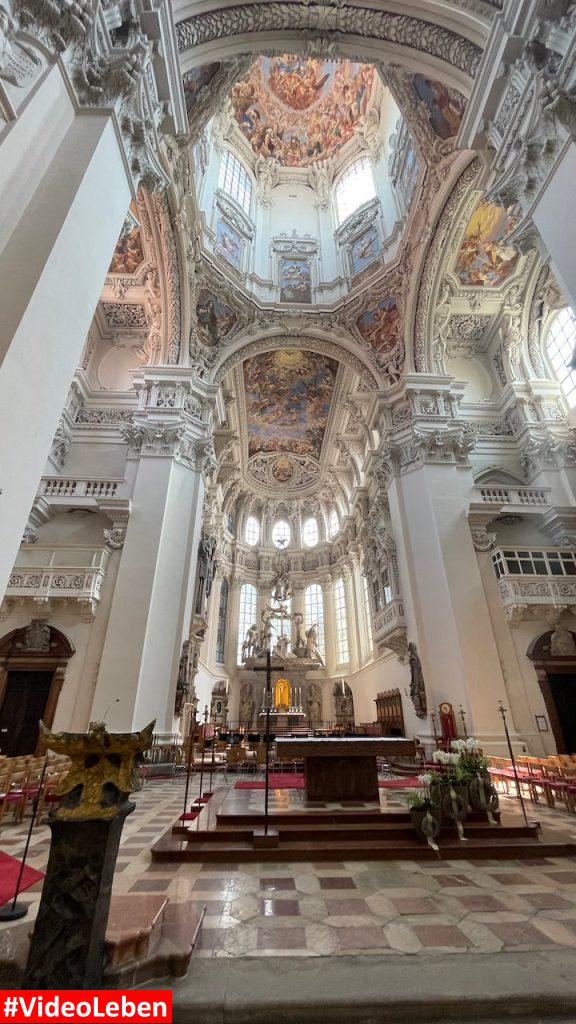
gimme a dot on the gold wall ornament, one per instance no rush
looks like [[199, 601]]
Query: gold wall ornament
[[104, 769]]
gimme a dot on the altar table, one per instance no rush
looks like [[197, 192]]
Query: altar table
[[343, 768]]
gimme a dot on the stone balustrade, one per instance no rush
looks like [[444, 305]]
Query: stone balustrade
[[511, 495], [47, 574]]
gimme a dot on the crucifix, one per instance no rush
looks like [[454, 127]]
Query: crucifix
[[267, 668]]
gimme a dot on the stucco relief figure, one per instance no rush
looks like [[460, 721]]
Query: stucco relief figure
[[312, 644], [314, 702], [417, 688], [247, 704], [37, 636], [250, 643], [300, 641], [562, 642]]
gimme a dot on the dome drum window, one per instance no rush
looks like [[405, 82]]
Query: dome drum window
[[234, 181], [560, 348], [252, 531], [310, 534], [281, 533], [354, 188]]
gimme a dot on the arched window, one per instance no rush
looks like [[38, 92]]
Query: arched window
[[222, 614], [252, 530], [233, 179], [355, 187], [342, 650], [247, 616], [368, 611], [333, 524], [314, 613], [310, 534], [281, 533], [560, 345]]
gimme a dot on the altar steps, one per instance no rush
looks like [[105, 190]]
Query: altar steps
[[347, 841]]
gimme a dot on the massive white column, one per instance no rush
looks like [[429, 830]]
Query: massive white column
[[52, 268], [73, 149], [442, 588], [152, 604]]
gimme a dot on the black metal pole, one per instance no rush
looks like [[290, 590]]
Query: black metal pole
[[212, 760], [188, 766], [203, 752], [433, 717], [14, 913], [502, 711], [267, 768]]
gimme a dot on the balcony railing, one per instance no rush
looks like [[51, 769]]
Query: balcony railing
[[389, 618], [511, 495], [72, 487], [531, 577], [73, 573]]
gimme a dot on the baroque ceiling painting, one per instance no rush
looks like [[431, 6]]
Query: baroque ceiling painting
[[300, 110], [196, 79], [380, 326], [445, 106], [128, 254], [288, 398], [484, 258], [215, 319]]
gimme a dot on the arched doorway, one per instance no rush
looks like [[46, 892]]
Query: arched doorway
[[554, 657], [33, 662]]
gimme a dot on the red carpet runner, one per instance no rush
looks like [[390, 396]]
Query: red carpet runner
[[9, 868]]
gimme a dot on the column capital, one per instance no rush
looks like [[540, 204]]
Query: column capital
[[120, 58]]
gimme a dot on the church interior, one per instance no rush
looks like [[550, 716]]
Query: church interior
[[288, 505]]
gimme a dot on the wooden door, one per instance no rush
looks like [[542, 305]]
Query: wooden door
[[23, 706]]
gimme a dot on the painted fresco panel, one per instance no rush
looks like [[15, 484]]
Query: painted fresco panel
[[365, 249], [229, 243], [288, 397], [380, 326], [295, 280], [214, 317], [445, 106], [484, 259]]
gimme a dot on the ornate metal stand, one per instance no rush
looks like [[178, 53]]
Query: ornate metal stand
[[67, 947]]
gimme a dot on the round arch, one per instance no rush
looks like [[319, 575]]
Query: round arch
[[449, 49], [33, 661], [553, 655], [245, 348]]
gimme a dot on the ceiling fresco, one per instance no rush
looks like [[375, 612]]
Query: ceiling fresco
[[288, 397], [484, 258], [214, 317], [195, 80], [445, 107], [300, 110], [380, 326], [128, 254]]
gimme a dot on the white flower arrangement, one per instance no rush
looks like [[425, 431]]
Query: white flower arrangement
[[470, 745], [445, 757]]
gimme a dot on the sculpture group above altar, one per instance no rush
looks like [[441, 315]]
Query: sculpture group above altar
[[290, 640]]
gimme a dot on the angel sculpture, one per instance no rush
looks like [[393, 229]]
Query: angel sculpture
[[312, 644]]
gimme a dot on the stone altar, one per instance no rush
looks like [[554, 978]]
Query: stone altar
[[343, 768]]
